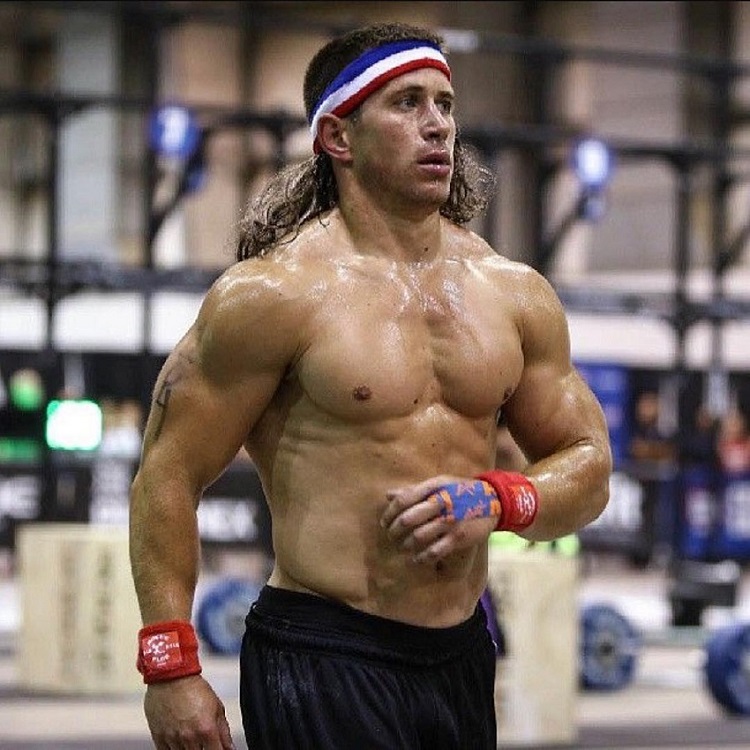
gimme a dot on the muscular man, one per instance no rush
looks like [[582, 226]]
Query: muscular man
[[360, 350]]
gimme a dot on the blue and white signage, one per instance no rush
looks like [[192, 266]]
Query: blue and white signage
[[174, 131]]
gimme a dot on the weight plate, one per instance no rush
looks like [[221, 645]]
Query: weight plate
[[220, 617], [609, 646], [727, 667]]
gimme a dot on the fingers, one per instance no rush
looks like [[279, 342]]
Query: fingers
[[225, 734], [424, 535], [220, 736], [421, 521], [409, 506], [217, 737], [186, 714], [439, 549], [461, 535], [415, 520]]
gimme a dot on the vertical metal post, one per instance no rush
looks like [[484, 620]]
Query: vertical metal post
[[541, 71], [717, 391], [542, 171], [681, 322], [54, 122], [152, 29], [489, 153], [536, 73]]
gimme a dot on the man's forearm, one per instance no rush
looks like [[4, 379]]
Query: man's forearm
[[164, 556], [573, 487]]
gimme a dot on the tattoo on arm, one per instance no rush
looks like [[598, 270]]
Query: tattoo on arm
[[162, 400], [171, 378]]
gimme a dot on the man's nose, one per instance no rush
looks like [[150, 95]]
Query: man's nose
[[437, 123]]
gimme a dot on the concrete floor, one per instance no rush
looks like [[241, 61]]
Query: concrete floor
[[665, 705]]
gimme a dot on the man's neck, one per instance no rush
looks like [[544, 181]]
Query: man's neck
[[413, 236]]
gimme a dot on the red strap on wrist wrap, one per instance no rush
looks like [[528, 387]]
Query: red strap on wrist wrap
[[518, 498], [167, 650]]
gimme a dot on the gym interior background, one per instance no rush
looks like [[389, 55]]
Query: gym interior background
[[132, 135]]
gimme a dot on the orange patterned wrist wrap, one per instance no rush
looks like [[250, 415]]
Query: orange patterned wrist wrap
[[167, 650], [518, 498]]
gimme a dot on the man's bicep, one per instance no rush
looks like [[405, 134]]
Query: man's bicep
[[552, 407], [197, 424], [552, 410]]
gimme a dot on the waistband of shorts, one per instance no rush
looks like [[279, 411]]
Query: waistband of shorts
[[303, 619]]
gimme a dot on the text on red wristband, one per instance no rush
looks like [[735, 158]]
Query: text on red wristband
[[161, 650]]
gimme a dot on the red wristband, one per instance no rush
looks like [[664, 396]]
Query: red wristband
[[518, 498], [167, 650]]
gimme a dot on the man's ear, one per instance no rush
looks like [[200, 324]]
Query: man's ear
[[333, 137]]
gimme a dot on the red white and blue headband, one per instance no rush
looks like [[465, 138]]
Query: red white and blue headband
[[370, 72]]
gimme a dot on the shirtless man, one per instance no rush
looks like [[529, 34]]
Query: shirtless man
[[360, 350]]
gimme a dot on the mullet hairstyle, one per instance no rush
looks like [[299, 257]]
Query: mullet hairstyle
[[304, 191]]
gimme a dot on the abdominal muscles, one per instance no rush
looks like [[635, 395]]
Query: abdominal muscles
[[378, 402]]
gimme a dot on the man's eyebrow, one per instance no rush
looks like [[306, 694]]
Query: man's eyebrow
[[415, 88]]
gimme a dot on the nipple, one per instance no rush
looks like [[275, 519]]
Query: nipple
[[361, 393]]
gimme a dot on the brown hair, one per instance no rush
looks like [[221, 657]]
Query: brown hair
[[304, 191]]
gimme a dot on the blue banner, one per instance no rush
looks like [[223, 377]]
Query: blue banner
[[717, 516], [611, 386], [700, 523], [734, 535]]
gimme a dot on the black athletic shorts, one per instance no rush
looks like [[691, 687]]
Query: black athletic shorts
[[318, 674]]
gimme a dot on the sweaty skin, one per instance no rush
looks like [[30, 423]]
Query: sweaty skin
[[362, 365], [278, 360]]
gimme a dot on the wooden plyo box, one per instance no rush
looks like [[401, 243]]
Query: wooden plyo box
[[535, 601], [79, 612]]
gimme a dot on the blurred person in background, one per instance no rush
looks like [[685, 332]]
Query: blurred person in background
[[361, 349], [649, 443], [652, 456], [702, 438], [733, 442]]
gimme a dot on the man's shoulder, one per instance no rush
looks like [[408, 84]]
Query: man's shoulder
[[475, 249], [255, 303], [286, 269], [514, 279], [263, 288]]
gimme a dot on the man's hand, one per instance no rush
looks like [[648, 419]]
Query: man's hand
[[415, 519], [186, 714]]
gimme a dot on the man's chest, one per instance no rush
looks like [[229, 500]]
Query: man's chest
[[379, 355]]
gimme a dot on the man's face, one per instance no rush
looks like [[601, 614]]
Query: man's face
[[402, 140]]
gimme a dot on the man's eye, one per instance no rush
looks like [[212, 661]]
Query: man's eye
[[446, 106]]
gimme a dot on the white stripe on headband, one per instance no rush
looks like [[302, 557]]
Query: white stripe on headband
[[350, 95]]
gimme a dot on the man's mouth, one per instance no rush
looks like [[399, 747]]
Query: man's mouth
[[437, 158]]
